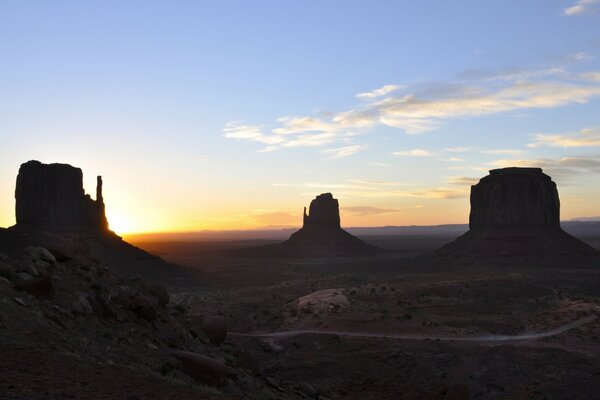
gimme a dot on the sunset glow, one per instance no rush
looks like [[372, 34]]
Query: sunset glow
[[394, 119]]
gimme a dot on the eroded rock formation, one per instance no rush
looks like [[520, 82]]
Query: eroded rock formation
[[52, 195], [513, 198], [321, 233], [324, 210], [515, 219]]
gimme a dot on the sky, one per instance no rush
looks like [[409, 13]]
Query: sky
[[235, 114]]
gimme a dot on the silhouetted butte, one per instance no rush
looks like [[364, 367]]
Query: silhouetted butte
[[322, 234], [515, 218]]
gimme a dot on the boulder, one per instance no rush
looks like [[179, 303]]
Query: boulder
[[40, 253], [142, 306], [100, 306], [60, 248], [81, 305], [7, 271], [215, 328], [39, 287], [204, 369]]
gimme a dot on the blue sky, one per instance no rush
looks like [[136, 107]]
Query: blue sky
[[222, 115]]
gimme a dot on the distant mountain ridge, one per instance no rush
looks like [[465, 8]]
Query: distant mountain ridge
[[576, 227]]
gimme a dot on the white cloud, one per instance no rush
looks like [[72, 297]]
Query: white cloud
[[380, 189], [310, 140], [589, 137], [462, 180], [346, 151], [362, 211], [580, 56], [413, 153], [593, 76], [292, 125], [382, 91], [455, 159], [562, 168], [458, 149], [503, 151], [239, 131], [426, 107], [580, 7]]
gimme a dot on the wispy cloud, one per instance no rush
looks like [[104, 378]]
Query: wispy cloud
[[580, 56], [503, 151], [380, 189], [422, 108], [563, 168], [240, 131], [458, 149], [462, 180], [455, 159], [413, 153], [580, 7], [589, 137], [363, 211], [593, 76], [346, 151], [382, 91]]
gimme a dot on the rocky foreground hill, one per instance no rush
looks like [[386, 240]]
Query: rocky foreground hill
[[77, 320]]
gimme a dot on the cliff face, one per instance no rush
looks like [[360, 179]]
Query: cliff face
[[324, 210], [52, 195], [515, 198]]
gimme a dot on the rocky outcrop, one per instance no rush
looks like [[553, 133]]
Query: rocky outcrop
[[514, 198], [515, 220], [52, 196]]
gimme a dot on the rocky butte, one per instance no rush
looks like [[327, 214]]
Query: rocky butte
[[52, 196], [53, 211], [515, 215], [321, 232]]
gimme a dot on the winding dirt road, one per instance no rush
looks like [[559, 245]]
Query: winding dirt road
[[479, 338]]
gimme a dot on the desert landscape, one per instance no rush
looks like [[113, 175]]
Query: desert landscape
[[299, 200], [507, 310]]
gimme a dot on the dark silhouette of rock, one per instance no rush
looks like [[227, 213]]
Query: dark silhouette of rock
[[324, 211], [515, 220], [39, 287], [514, 198], [215, 328], [204, 369], [321, 233], [52, 195]]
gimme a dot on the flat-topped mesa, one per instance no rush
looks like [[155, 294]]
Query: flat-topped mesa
[[324, 211], [515, 221], [52, 196], [515, 198]]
